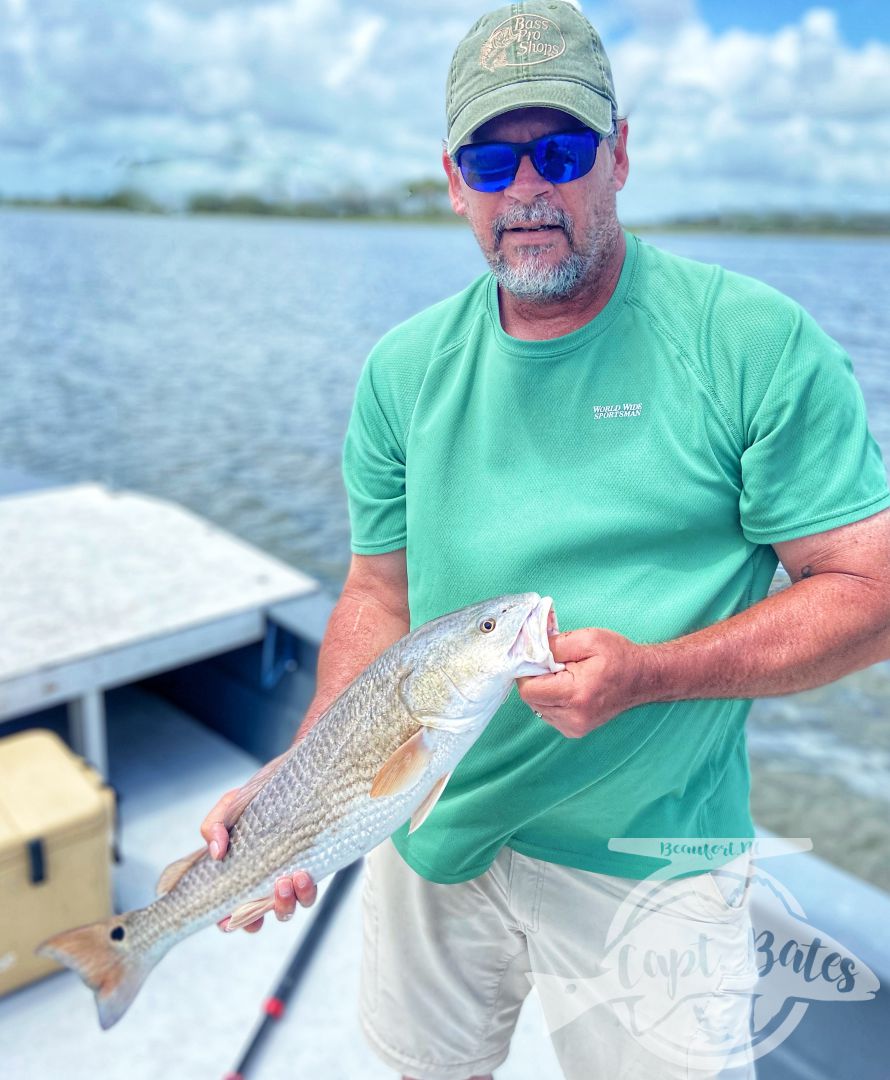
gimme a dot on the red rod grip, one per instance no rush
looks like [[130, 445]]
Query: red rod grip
[[274, 1007]]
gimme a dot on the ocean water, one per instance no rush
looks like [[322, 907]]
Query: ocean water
[[213, 361]]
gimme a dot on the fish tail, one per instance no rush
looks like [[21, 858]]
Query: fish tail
[[103, 956]]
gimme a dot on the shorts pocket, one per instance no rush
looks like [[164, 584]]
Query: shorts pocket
[[730, 884]]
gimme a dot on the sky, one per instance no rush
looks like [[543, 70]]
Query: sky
[[771, 104]]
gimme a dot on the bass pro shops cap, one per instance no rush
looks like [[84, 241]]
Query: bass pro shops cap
[[538, 53]]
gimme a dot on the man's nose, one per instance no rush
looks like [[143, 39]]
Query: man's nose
[[528, 183]]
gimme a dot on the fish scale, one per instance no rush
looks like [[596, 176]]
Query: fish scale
[[346, 756], [398, 730]]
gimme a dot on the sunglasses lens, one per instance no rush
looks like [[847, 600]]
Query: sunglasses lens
[[559, 158], [488, 166], [565, 157]]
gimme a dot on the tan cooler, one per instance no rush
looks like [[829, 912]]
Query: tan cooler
[[56, 835]]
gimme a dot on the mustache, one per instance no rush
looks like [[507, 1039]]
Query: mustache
[[536, 213]]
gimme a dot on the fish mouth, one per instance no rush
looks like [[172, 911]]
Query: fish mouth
[[531, 649]]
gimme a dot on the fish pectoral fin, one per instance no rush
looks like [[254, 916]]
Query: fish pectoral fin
[[423, 811], [170, 875], [404, 767], [249, 912]]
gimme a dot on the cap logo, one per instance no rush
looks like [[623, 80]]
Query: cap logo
[[524, 39]]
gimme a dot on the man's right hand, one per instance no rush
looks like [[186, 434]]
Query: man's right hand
[[289, 890]]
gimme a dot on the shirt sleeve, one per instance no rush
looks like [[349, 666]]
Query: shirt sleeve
[[374, 474], [810, 462]]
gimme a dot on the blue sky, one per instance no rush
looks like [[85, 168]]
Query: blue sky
[[859, 20], [731, 106]]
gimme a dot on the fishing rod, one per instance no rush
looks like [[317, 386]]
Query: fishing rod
[[274, 1006]]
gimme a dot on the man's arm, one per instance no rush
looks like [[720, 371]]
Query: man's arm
[[833, 619], [371, 614]]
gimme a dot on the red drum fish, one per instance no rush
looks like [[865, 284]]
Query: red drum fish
[[380, 755]]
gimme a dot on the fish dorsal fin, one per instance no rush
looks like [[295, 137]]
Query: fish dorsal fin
[[249, 912], [245, 795], [404, 767], [423, 811], [172, 874]]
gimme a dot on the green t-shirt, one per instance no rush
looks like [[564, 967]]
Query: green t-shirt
[[636, 470]]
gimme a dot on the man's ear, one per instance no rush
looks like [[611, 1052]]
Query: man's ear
[[455, 189], [621, 164]]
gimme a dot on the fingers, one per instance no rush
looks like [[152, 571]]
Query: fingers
[[567, 722], [543, 690], [306, 888], [574, 645], [219, 840], [285, 899], [552, 698], [214, 826], [568, 648], [567, 719], [289, 891], [572, 648]]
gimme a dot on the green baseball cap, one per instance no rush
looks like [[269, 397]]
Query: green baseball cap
[[538, 53]]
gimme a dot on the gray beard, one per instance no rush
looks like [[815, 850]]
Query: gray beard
[[531, 278]]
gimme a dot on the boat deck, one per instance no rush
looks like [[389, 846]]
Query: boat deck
[[103, 589], [99, 588], [198, 1008]]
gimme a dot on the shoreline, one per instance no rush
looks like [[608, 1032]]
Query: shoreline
[[673, 228]]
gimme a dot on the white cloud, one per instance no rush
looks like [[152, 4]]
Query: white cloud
[[354, 52], [217, 88], [292, 96], [795, 119]]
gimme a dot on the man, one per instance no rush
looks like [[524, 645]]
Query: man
[[640, 437]]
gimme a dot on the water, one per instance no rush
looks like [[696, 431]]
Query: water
[[210, 361], [213, 361]]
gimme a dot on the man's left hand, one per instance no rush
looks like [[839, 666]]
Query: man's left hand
[[603, 676]]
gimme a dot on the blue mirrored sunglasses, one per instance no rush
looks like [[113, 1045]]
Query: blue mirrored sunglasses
[[558, 158]]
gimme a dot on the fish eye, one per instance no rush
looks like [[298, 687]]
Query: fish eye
[[117, 934], [487, 624]]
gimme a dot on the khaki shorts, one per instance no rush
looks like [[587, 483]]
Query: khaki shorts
[[637, 980]]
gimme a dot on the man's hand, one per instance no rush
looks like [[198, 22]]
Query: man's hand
[[602, 678], [288, 890], [833, 619]]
